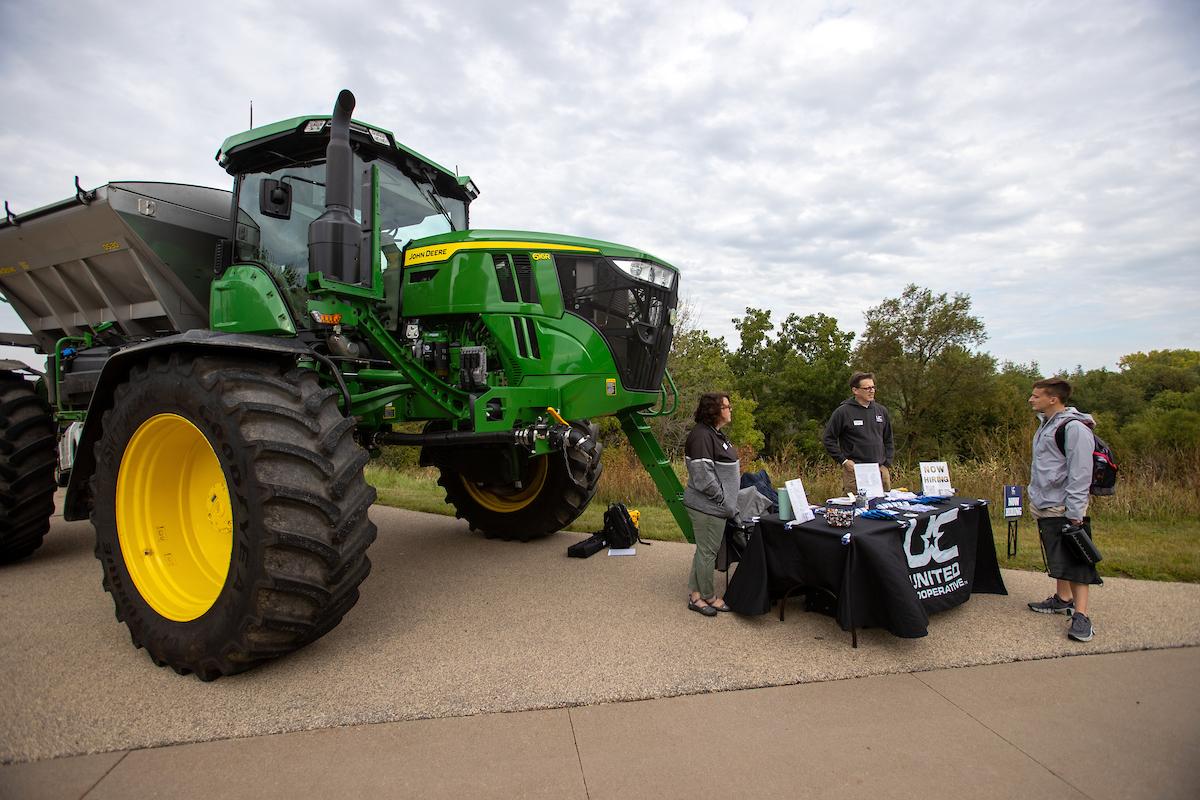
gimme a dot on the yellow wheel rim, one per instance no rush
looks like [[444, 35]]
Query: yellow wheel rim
[[506, 500], [174, 517]]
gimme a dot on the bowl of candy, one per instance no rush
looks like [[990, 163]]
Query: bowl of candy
[[839, 512]]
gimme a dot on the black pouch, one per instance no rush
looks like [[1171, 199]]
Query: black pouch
[[1081, 544], [587, 547]]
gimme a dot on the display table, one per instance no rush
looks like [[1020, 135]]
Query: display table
[[890, 574]]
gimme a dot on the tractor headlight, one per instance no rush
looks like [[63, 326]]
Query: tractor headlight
[[646, 271]]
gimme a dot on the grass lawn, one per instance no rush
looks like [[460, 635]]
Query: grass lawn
[[1132, 548], [1147, 549]]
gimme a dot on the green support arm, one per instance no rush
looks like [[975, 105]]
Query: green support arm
[[637, 430]]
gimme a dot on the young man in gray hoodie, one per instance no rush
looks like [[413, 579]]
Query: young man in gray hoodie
[[1059, 479]]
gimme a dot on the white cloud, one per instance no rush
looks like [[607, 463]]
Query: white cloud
[[796, 156]]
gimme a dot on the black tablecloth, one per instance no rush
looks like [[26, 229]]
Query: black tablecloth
[[890, 574]]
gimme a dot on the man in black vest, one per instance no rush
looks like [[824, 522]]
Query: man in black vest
[[860, 432]]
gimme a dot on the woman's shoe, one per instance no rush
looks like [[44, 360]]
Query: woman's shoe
[[706, 610]]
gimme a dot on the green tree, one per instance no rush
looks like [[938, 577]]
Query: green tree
[[1116, 394], [699, 363], [750, 360], [1005, 422], [1010, 395], [1164, 441], [1161, 370], [797, 376], [919, 346]]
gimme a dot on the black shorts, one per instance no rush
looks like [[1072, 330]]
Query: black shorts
[[1061, 560]]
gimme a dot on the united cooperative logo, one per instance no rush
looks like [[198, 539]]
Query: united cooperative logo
[[937, 580]]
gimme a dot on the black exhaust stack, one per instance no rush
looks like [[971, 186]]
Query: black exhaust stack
[[334, 237]]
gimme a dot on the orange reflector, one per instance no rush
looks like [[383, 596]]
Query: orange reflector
[[326, 319]]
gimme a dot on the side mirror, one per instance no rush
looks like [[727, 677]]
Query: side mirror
[[275, 199]]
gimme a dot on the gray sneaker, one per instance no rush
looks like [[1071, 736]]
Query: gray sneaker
[[1052, 605], [1081, 628]]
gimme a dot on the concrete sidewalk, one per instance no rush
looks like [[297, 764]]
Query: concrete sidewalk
[[475, 667], [452, 625], [1123, 725]]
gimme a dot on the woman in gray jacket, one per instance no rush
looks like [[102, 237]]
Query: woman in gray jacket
[[711, 495]]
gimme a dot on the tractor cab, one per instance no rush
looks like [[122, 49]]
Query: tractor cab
[[280, 183]]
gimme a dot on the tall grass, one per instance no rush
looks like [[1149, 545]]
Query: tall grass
[[1150, 529], [1141, 491], [625, 480]]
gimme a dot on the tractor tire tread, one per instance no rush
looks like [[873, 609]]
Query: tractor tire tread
[[307, 506], [27, 463]]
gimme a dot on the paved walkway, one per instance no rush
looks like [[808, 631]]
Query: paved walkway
[[983, 732], [473, 667]]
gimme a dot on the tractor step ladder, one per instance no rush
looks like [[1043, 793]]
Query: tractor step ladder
[[637, 430]]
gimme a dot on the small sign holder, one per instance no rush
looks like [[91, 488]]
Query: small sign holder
[[1012, 512], [869, 479]]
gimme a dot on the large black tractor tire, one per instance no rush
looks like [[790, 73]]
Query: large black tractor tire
[[230, 511], [551, 495], [27, 461]]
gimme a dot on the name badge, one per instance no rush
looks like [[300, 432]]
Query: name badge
[[858, 422]]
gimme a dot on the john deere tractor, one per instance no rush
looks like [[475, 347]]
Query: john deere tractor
[[221, 365]]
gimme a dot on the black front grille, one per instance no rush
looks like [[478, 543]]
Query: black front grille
[[633, 317]]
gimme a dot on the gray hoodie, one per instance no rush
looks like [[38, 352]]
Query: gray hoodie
[[1062, 480], [713, 472]]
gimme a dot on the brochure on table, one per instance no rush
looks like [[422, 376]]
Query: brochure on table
[[935, 479], [799, 500], [869, 479]]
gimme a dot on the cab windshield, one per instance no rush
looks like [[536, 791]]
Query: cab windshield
[[410, 208]]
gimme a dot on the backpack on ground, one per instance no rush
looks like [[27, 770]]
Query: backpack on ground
[[619, 529], [1104, 463]]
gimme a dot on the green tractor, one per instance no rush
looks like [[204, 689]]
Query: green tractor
[[221, 366]]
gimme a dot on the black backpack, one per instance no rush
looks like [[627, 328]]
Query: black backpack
[[1104, 463], [619, 530]]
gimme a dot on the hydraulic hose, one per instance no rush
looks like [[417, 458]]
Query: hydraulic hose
[[436, 438]]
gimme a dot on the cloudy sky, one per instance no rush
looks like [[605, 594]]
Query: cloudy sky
[[802, 156]]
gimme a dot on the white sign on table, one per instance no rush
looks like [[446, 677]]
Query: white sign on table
[[869, 479], [935, 479], [799, 500]]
